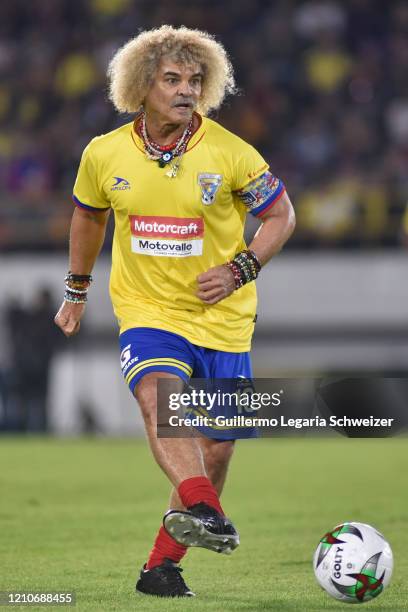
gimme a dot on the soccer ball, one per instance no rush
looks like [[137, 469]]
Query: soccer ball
[[353, 563]]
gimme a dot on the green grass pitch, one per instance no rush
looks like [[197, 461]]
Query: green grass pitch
[[81, 514]]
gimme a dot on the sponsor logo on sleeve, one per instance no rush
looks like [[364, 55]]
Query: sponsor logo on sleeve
[[166, 236], [120, 184], [256, 172]]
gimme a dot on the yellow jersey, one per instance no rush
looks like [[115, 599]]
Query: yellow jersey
[[170, 230]]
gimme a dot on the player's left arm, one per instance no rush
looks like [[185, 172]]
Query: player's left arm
[[277, 225], [276, 228]]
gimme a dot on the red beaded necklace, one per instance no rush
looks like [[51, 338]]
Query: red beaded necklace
[[155, 150]]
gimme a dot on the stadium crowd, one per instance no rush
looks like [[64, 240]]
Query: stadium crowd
[[324, 98]]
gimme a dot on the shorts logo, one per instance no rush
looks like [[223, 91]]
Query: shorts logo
[[125, 356], [120, 184], [209, 183], [126, 359], [167, 236]]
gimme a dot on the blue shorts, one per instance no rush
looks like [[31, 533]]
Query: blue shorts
[[145, 349]]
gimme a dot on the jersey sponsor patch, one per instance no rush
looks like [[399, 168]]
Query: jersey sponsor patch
[[167, 236], [261, 192]]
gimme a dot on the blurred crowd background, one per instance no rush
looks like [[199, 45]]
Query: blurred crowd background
[[324, 97]]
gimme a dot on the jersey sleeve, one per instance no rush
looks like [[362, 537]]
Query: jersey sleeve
[[256, 187], [88, 193]]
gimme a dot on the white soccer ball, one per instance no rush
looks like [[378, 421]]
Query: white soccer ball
[[353, 562]]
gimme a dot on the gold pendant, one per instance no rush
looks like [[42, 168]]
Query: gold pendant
[[172, 171]]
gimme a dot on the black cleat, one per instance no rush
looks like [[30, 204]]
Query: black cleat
[[202, 526], [164, 580]]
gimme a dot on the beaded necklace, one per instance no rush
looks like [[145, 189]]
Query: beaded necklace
[[165, 154]]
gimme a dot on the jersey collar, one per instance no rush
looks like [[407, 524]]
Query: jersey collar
[[198, 135]]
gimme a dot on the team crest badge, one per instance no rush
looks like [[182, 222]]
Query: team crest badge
[[209, 184]]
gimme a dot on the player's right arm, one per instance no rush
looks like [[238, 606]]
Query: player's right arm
[[87, 234]]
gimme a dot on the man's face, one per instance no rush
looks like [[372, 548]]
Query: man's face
[[175, 91]]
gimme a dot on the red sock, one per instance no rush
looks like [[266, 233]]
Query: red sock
[[165, 547], [199, 489]]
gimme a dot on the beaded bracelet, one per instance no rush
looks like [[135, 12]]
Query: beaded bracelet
[[79, 278], [78, 281], [76, 287], [245, 267], [75, 298], [236, 271]]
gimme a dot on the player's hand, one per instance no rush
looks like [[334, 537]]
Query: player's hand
[[215, 284], [68, 318]]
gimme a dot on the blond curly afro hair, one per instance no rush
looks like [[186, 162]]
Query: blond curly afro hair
[[133, 67]]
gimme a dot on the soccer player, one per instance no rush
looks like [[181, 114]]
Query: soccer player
[[182, 277]]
